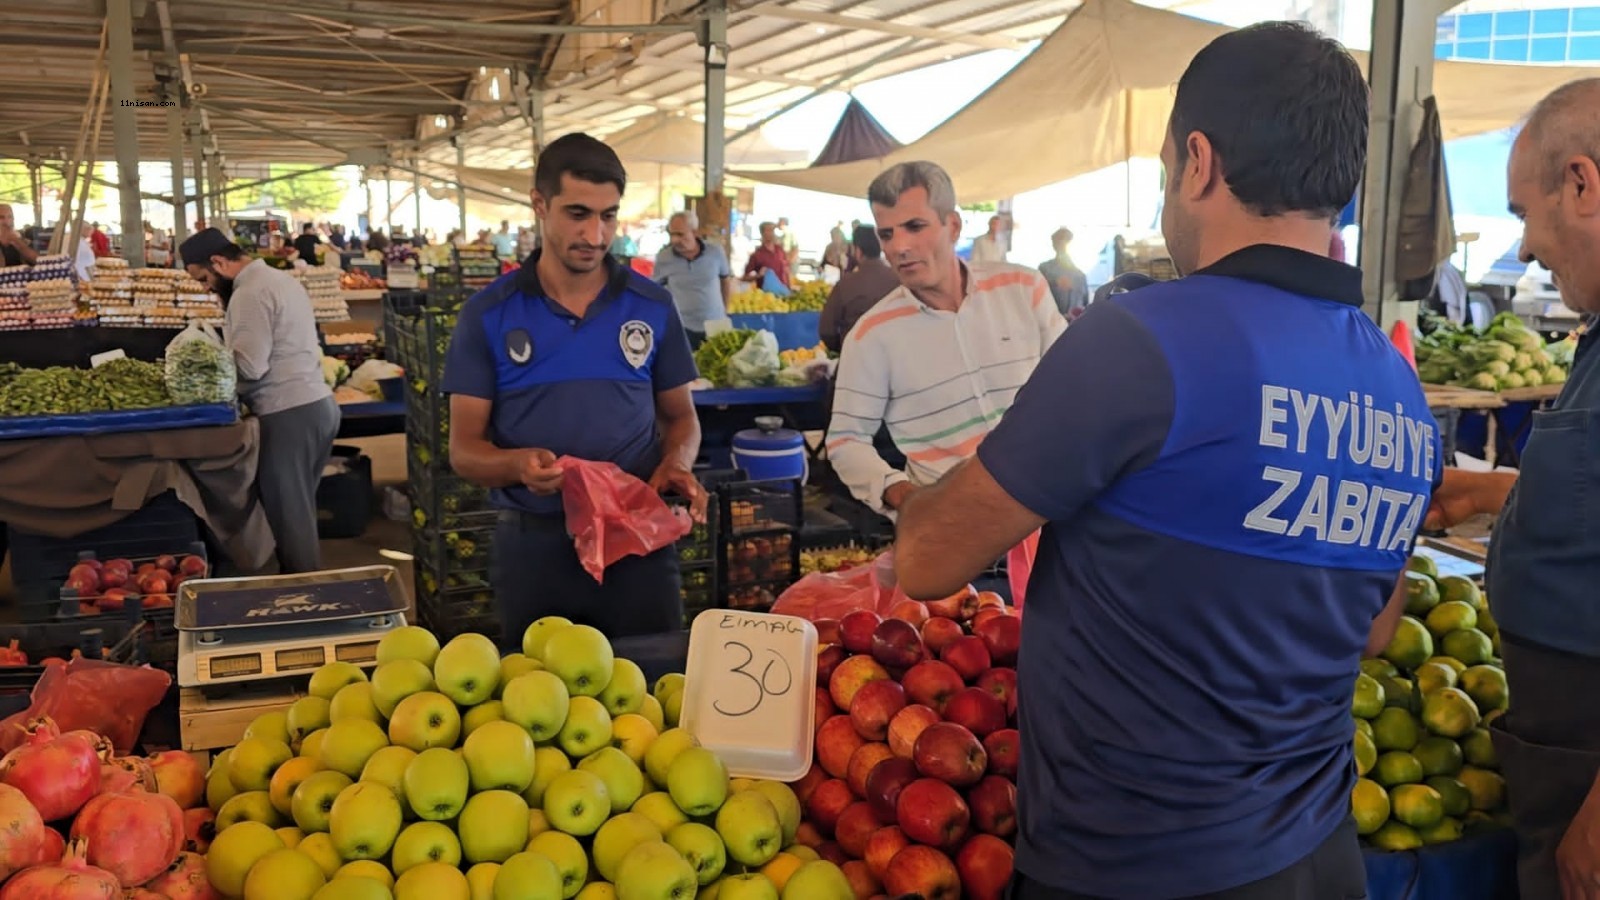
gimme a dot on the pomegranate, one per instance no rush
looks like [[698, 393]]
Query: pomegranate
[[185, 879], [180, 777], [199, 828], [22, 832], [57, 772], [134, 835], [51, 848], [72, 878], [142, 894], [126, 773]]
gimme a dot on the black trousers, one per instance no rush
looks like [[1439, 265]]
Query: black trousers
[[1549, 749], [1333, 871], [536, 573]]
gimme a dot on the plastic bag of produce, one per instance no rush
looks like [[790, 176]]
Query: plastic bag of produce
[[611, 514], [832, 595], [757, 363], [106, 698], [200, 367], [367, 375]]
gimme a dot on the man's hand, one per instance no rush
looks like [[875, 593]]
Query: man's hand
[[674, 477], [539, 473], [1578, 855], [895, 495], [1463, 495]]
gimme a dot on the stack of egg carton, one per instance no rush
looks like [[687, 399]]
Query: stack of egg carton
[[155, 296], [110, 291], [52, 293], [322, 283], [197, 303], [14, 314]]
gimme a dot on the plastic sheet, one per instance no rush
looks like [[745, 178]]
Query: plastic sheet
[[106, 698], [611, 514], [164, 418]]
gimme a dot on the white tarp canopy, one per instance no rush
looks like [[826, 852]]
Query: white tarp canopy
[[1098, 91], [680, 141]]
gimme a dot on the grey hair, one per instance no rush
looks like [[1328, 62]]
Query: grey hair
[[688, 217], [886, 189], [1566, 123]]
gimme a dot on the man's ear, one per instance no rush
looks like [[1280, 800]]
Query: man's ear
[[1581, 182], [541, 206], [1201, 172]]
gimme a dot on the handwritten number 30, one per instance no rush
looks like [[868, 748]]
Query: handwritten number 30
[[763, 685]]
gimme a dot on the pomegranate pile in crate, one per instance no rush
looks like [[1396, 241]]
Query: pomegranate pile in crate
[[913, 789], [105, 586]]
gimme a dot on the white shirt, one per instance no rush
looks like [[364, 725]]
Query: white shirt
[[987, 250], [941, 380]]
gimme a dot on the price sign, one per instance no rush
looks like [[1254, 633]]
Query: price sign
[[749, 692]]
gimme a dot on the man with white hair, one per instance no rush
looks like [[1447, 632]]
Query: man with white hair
[[696, 274], [14, 249], [940, 358]]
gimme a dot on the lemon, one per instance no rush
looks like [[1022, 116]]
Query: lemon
[[1450, 712], [1469, 645], [1411, 645], [1396, 836], [1422, 594], [1397, 767], [1432, 676], [1455, 796], [1395, 729], [1364, 727], [1452, 615], [1416, 805], [1454, 588], [1423, 565], [1369, 803], [1368, 699], [1378, 667], [1486, 685], [1488, 789], [1478, 748], [1438, 755], [1444, 831], [1450, 661], [1366, 754]]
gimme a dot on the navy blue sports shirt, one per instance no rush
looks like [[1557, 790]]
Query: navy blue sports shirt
[[1230, 506], [576, 387]]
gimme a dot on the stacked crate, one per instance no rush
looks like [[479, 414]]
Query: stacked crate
[[759, 541], [452, 526]]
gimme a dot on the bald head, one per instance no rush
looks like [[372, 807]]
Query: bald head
[[1565, 124]]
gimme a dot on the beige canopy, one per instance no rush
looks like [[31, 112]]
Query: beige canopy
[[1099, 91]]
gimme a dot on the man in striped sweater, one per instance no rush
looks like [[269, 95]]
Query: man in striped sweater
[[940, 358]]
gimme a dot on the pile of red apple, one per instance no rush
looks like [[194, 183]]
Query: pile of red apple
[[106, 586], [913, 791]]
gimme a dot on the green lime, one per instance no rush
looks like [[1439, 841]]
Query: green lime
[[1438, 755], [1397, 767], [1411, 645], [1478, 749], [1444, 831], [1401, 694], [1423, 564], [1488, 788], [1396, 835], [1366, 754], [1486, 622], [1458, 588], [1369, 803], [1364, 727], [1486, 685], [1469, 645], [1457, 799], [1449, 616], [1378, 667], [1368, 699], [1432, 676], [1395, 729], [1422, 594], [1450, 661], [1449, 712], [1416, 805]]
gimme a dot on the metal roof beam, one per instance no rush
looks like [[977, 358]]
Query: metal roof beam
[[859, 23], [453, 26]]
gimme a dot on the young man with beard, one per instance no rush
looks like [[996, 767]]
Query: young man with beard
[[1230, 469], [939, 359], [573, 355], [272, 331], [1544, 563]]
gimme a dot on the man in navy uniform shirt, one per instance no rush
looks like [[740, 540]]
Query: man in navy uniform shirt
[[1544, 562], [573, 355], [1226, 515]]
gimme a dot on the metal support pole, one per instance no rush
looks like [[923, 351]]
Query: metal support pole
[[388, 201], [125, 126], [197, 140], [714, 39], [1400, 72], [461, 188], [366, 194], [416, 202], [36, 193], [218, 183], [180, 200]]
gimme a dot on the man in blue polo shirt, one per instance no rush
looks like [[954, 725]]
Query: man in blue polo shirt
[[573, 355], [1226, 515]]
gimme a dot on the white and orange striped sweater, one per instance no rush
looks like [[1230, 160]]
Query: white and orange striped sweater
[[940, 380]]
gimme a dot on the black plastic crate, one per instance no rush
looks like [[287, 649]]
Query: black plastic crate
[[700, 544], [39, 563], [427, 413], [447, 550], [768, 560], [458, 611], [755, 596], [345, 498], [699, 589], [432, 580], [749, 507], [441, 497]]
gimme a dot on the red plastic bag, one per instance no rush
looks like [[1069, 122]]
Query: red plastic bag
[[1019, 567], [611, 514], [106, 698], [831, 595]]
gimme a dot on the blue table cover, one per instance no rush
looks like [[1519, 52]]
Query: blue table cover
[[114, 421], [808, 393], [1483, 867], [793, 330], [373, 408]]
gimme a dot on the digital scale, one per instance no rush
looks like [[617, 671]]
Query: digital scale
[[252, 629]]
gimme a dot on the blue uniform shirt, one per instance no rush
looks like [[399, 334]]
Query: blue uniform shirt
[[1544, 563], [576, 387], [1229, 509]]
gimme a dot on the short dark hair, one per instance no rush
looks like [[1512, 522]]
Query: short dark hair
[[1565, 124], [580, 156], [1286, 110], [865, 239], [307, 228]]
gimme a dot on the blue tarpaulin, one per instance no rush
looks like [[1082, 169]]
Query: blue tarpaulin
[[793, 330], [1475, 868]]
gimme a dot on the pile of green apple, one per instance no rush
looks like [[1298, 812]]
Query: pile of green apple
[[452, 773]]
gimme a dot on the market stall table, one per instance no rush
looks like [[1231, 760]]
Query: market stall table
[[42, 348], [727, 411]]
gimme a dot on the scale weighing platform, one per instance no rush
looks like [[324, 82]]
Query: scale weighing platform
[[1455, 556], [234, 630]]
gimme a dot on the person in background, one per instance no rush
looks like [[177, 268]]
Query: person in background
[[1067, 282], [789, 243], [83, 259], [272, 331], [573, 354], [377, 240], [525, 242], [454, 238], [99, 241], [157, 247], [308, 244], [1544, 562], [869, 280], [696, 274], [623, 247], [989, 247], [769, 256], [337, 238], [484, 239], [1183, 736], [940, 358], [14, 250], [837, 253], [505, 243]]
